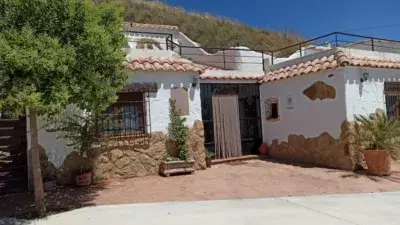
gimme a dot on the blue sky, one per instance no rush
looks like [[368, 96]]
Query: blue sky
[[310, 18]]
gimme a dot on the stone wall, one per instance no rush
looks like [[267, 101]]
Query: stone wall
[[124, 157], [323, 150]]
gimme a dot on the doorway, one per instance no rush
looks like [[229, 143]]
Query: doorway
[[248, 102]]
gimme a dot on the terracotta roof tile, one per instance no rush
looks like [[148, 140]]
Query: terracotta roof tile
[[229, 77], [163, 64], [207, 67], [128, 25], [337, 59]]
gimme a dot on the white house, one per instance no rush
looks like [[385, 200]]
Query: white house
[[308, 101], [233, 99]]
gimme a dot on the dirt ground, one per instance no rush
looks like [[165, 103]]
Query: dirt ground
[[239, 180]]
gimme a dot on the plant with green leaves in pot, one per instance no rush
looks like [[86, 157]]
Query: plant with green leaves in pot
[[84, 134], [179, 134], [209, 156], [377, 137]]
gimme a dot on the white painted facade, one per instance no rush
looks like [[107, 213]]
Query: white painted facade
[[364, 98], [56, 148], [159, 101], [158, 115], [311, 118], [304, 117], [234, 59]]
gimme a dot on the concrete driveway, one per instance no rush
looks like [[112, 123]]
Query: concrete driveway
[[376, 208]]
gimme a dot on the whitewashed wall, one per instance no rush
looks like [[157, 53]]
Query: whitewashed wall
[[159, 102], [56, 148], [308, 118], [364, 98]]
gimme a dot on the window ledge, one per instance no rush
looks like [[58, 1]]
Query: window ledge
[[273, 119]]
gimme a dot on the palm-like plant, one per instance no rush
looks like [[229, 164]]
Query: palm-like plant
[[378, 132]]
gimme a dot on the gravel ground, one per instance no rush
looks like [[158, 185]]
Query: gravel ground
[[239, 180]]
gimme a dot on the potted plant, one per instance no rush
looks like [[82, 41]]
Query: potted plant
[[82, 131], [49, 183], [377, 137], [209, 156], [179, 133]]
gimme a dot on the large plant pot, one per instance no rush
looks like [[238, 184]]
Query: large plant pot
[[84, 179], [378, 162], [49, 185], [177, 167]]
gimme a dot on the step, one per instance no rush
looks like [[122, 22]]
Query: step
[[13, 186], [13, 175], [12, 123], [234, 159], [12, 148], [7, 140], [12, 131], [8, 168]]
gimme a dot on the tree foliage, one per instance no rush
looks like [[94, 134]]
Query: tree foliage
[[58, 52]]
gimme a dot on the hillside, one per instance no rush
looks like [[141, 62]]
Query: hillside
[[209, 31]]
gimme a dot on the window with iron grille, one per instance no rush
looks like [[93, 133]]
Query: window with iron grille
[[392, 99], [127, 115]]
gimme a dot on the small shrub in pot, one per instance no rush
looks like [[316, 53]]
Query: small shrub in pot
[[179, 134], [84, 134], [377, 137]]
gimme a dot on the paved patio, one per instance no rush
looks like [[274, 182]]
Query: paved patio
[[239, 180]]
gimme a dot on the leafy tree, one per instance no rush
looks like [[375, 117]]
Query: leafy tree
[[55, 53]]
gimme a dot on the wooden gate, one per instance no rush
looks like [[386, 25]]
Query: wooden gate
[[248, 97], [13, 156], [226, 126]]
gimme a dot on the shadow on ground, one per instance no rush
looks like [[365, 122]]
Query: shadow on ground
[[62, 199], [289, 163], [394, 176]]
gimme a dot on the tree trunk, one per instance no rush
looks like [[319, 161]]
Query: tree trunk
[[36, 170]]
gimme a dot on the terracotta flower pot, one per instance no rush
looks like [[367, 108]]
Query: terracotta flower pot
[[263, 149], [84, 179], [378, 162]]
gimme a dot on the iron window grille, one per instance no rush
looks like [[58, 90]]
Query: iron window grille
[[128, 115]]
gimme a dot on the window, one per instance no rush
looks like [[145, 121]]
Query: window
[[272, 109], [392, 99], [180, 95], [126, 116]]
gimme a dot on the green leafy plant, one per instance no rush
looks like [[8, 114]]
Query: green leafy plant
[[378, 132], [209, 154], [55, 53], [179, 131], [169, 158], [84, 134]]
